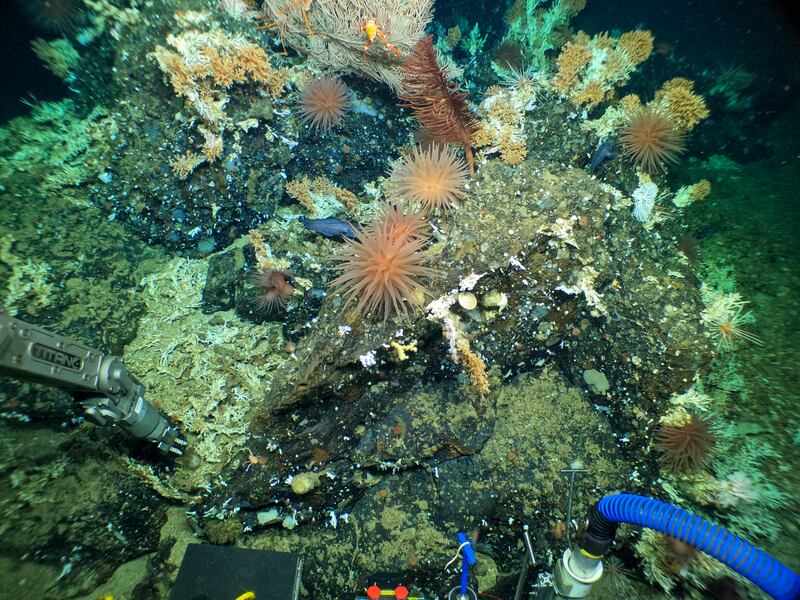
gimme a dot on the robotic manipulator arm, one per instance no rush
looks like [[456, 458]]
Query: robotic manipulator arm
[[112, 394]]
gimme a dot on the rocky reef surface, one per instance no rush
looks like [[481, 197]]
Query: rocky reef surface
[[586, 325], [556, 332]]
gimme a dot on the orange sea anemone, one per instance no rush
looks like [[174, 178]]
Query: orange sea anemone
[[433, 177], [380, 270], [404, 223], [686, 446], [651, 141], [273, 289], [324, 103]]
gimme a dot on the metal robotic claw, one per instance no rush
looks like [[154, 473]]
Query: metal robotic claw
[[114, 395]]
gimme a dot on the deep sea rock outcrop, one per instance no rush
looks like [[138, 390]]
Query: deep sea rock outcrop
[[566, 281]]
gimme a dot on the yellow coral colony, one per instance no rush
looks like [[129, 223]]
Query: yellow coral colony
[[637, 44], [573, 58], [474, 366], [201, 66], [503, 126], [691, 193], [588, 69], [680, 103], [305, 190]]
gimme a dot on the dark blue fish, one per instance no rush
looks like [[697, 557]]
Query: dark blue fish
[[331, 227], [604, 151]]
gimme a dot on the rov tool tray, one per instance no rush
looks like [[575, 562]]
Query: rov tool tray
[[213, 572]]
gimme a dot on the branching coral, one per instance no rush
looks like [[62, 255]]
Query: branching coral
[[331, 33], [667, 561], [453, 36], [459, 345], [539, 25], [691, 193], [474, 366], [637, 44], [680, 103], [725, 315], [588, 69], [614, 118], [29, 286], [503, 124], [321, 196], [201, 67], [185, 164], [574, 56], [59, 56], [744, 488], [57, 138], [653, 135], [438, 105], [260, 250], [205, 370], [112, 17]]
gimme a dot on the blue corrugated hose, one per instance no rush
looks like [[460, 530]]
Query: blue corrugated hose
[[767, 573]]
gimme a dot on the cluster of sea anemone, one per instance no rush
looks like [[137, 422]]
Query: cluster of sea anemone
[[380, 269]]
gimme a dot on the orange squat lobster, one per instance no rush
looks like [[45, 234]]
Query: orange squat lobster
[[374, 30], [304, 5]]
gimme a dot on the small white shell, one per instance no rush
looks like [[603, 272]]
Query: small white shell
[[467, 300]]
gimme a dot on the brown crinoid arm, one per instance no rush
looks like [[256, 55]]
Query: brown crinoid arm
[[440, 108]]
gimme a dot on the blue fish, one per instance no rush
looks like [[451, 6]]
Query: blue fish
[[331, 227], [604, 151]]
